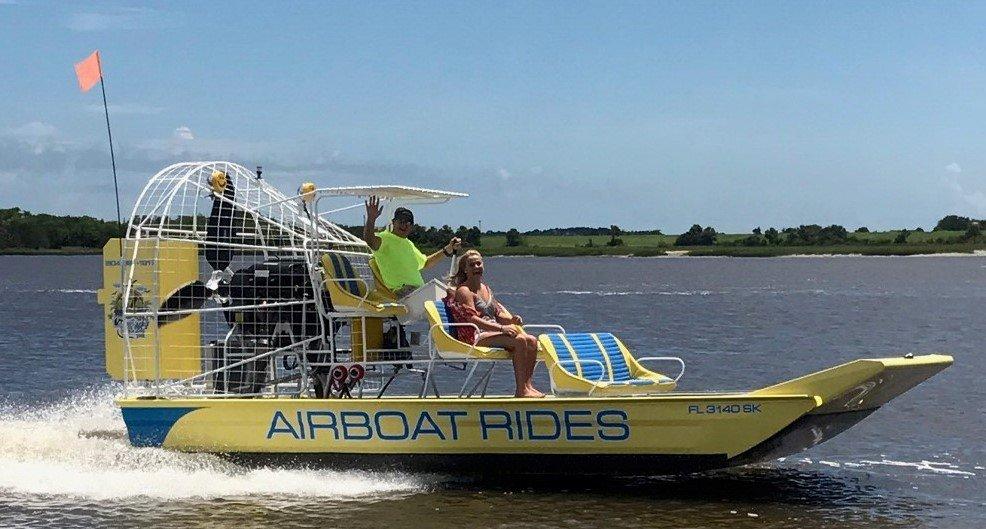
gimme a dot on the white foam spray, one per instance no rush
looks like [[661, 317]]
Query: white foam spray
[[79, 447]]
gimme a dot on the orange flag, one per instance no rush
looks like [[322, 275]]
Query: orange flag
[[88, 71]]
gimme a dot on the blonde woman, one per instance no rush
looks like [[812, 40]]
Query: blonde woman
[[497, 326]]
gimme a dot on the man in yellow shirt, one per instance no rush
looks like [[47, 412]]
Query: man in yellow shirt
[[399, 260]]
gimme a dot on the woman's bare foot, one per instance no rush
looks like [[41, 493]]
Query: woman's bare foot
[[530, 393]]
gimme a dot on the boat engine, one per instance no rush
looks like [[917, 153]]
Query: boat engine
[[273, 283], [246, 377]]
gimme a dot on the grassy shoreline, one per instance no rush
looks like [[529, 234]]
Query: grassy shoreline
[[738, 251], [653, 251], [51, 251]]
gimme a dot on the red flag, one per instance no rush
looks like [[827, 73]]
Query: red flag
[[88, 71]]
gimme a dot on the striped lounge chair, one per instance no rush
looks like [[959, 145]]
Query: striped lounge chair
[[349, 292], [447, 346], [599, 364]]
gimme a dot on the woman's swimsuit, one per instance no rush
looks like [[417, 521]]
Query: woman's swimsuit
[[486, 309]]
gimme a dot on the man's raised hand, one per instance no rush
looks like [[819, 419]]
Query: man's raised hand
[[373, 209]]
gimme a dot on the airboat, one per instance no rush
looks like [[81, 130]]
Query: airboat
[[248, 322]]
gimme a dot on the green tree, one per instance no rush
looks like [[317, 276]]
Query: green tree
[[953, 223], [697, 236], [753, 240], [973, 232], [462, 233], [901, 237], [813, 234], [19, 228], [614, 236], [474, 237], [514, 238], [443, 235], [772, 236]]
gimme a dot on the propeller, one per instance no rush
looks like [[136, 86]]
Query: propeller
[[189, 297]]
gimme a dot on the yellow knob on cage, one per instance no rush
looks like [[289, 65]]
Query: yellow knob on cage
[[307, 192], [218, 181]]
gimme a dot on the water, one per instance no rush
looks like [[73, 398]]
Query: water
[[738, 323]]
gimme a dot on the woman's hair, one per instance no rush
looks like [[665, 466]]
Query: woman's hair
[[459, 277]]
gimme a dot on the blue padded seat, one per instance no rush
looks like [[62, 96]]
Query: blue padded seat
[[578, 354], [348, 291], [447, 345], [586, 347], [445, 316], [343, 269], [598, 364]]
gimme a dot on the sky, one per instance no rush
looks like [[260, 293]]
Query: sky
[[646, 115]]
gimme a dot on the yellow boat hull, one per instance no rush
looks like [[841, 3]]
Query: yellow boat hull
[[648, 435]]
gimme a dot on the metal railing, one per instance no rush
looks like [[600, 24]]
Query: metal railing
[[681, 362]]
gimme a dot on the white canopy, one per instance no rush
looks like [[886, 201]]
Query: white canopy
[[418, 195]]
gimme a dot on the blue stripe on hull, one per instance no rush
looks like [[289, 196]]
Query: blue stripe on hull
[[150, 426]]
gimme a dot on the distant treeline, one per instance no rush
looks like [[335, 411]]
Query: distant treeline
[[433, 237], [804, 235], [815, 235], [957, 223], [23, 229], [583, 231]]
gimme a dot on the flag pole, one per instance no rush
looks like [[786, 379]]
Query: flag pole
[[109, 132], [87, 77]]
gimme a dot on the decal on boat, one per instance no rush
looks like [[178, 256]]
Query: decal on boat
[[724, 408], [136, 325], [447, 425]]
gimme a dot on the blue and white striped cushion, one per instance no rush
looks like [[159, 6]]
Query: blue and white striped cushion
[[587, 348], [343, 269], [444, 315]]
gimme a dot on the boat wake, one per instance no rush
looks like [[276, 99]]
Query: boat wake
[[50, 290], [78, 447], [914, 468]]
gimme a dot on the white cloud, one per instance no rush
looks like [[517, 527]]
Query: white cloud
[[504, 174], [38, 135], [81, 169], [184, 133], [135, 109], [953, 168], [32, 131], [116, 19], [967, 197]]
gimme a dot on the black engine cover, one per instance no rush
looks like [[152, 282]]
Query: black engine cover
[[275, 282]]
